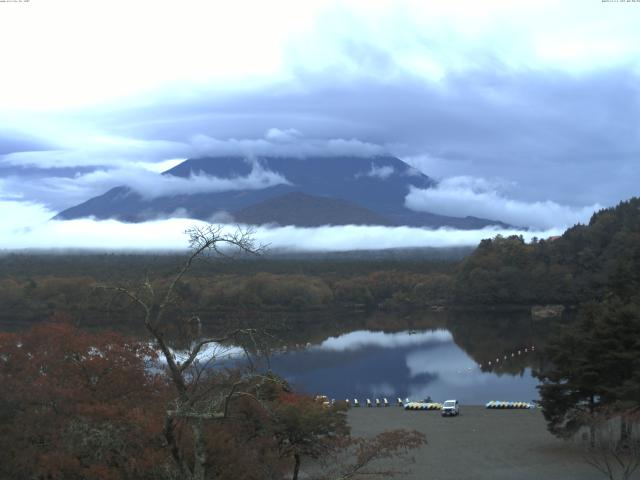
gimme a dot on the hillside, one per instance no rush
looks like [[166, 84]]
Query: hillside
[[585, 263]]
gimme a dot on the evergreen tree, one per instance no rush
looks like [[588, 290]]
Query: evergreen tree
[[595, 365]]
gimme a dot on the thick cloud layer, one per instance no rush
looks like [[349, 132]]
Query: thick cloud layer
[[115, 151], [562, 138], [28, 226], [32, 176]]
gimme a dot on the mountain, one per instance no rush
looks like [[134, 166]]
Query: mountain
[[306, 192], [304, 210]]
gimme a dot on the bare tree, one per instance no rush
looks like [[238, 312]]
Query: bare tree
[[203, 396], [385, 455], [197, 401], [612, 443]]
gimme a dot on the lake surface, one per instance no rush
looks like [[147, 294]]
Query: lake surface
[[441, 355], [415, 364]]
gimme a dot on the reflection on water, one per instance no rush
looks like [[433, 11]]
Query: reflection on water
[[386, 355], [412, 364]]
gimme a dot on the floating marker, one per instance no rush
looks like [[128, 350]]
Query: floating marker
[[508, 405], [422, 406]]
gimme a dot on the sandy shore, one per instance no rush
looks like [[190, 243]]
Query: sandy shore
[[480, 444]]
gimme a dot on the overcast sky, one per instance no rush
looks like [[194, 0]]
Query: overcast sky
[[528, 111]]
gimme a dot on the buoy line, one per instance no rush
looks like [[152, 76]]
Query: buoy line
[[427, 405], [509, 405], [500, 359]]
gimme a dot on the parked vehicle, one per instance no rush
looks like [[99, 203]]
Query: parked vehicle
[[450, 408]]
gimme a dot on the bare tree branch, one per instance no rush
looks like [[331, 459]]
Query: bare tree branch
[[192, 405]]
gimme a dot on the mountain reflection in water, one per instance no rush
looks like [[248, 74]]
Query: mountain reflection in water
[[415, 364]]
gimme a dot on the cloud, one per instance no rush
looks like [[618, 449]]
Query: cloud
[[62, 192], [26, 225], [382, 172], [16, 141], [126, 152], [430, 38], [462, 196], [286, 135], [285, 143], [553, 133], [352, 237], [19, 218], [552, 109], [151, 185], [100, 150], [109, 162]]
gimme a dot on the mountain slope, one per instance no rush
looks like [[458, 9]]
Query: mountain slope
[[304, 210], [375, 185]]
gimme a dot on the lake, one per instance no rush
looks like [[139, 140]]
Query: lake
[[415, 364], [473, 357], [442, 355]]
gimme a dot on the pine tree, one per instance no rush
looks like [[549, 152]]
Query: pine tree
[[595, 366]]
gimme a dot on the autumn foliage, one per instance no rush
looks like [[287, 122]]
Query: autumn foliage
[[78, 405]]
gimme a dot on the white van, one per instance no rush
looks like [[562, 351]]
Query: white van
[[450, 408]]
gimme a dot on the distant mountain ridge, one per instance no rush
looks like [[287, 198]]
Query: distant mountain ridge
[[318, 191]]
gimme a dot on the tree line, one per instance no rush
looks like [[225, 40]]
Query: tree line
[[590, 388], [586, 262]]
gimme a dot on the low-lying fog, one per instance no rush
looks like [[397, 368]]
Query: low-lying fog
[[29, 226]]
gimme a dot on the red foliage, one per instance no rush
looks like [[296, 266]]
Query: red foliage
[[78, 405]]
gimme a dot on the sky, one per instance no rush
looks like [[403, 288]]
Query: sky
[[526, 112]]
